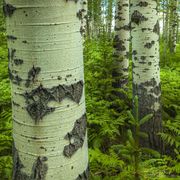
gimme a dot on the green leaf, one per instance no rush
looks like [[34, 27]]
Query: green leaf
[[130, 137], [151, 151], [145, 119], [132, 120], [143, 134]]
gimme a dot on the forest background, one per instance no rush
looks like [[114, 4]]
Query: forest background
[[111, 150]]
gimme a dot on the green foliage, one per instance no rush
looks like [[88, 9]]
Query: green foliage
[[171, 134], [5, 167], [104, 121], [5, 113], [109, 140], [105, 164]]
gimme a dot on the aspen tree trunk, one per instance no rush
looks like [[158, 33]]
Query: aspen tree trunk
[[174, 27], [46, 72], [163, 8], [89, 18], [96, 17], [170, 37], [177, 31], [109, 16], [121, 44], [166, 32], [146, 72]]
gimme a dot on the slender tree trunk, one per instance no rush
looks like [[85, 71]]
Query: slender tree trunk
[[177, 31], [46, 72], [121, 44], [146, 72], [173, 25], [89, 18], [163, 8], [97, 24], [166, 33], [109, 16]]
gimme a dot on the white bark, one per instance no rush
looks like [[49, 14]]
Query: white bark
[[174, 24], [146, 72], [46, 71], [121, 43]]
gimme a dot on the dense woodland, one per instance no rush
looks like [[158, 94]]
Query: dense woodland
[[133, 132]]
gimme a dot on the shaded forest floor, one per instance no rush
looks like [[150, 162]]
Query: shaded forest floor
[[108, 137]]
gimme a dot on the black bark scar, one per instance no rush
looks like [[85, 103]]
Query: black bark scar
[[84, 175], [138, 18], [8, 9], [37, 100], [32, 74], [77, 135], [38, 172]]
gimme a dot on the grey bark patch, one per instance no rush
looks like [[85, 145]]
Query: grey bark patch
[[37, 100], [11, 54], [15, 79], [17, 167], [149, 45], [125, 27], [137, 17], [118, 44], [39, 169], [18, 61], [156, 28], [142, 4], [82, 30], [80, 13], [125, 5], [32, 74], [134, 52], [146, 106], [143, 58], [76, 137], [127, 55], [24, 41], [38, 110], [11, 37], [8, 9], [72, 0], [15, 104], [84, 175]]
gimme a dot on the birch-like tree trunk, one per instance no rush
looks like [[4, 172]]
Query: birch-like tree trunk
[[121, 44], [97, 17], [46, 72], [146, 72], [109, 16], [173, 25]]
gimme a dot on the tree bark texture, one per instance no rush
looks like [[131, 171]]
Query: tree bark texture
[[146, 71], [173, 25], [48, 104], [121, 44]]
